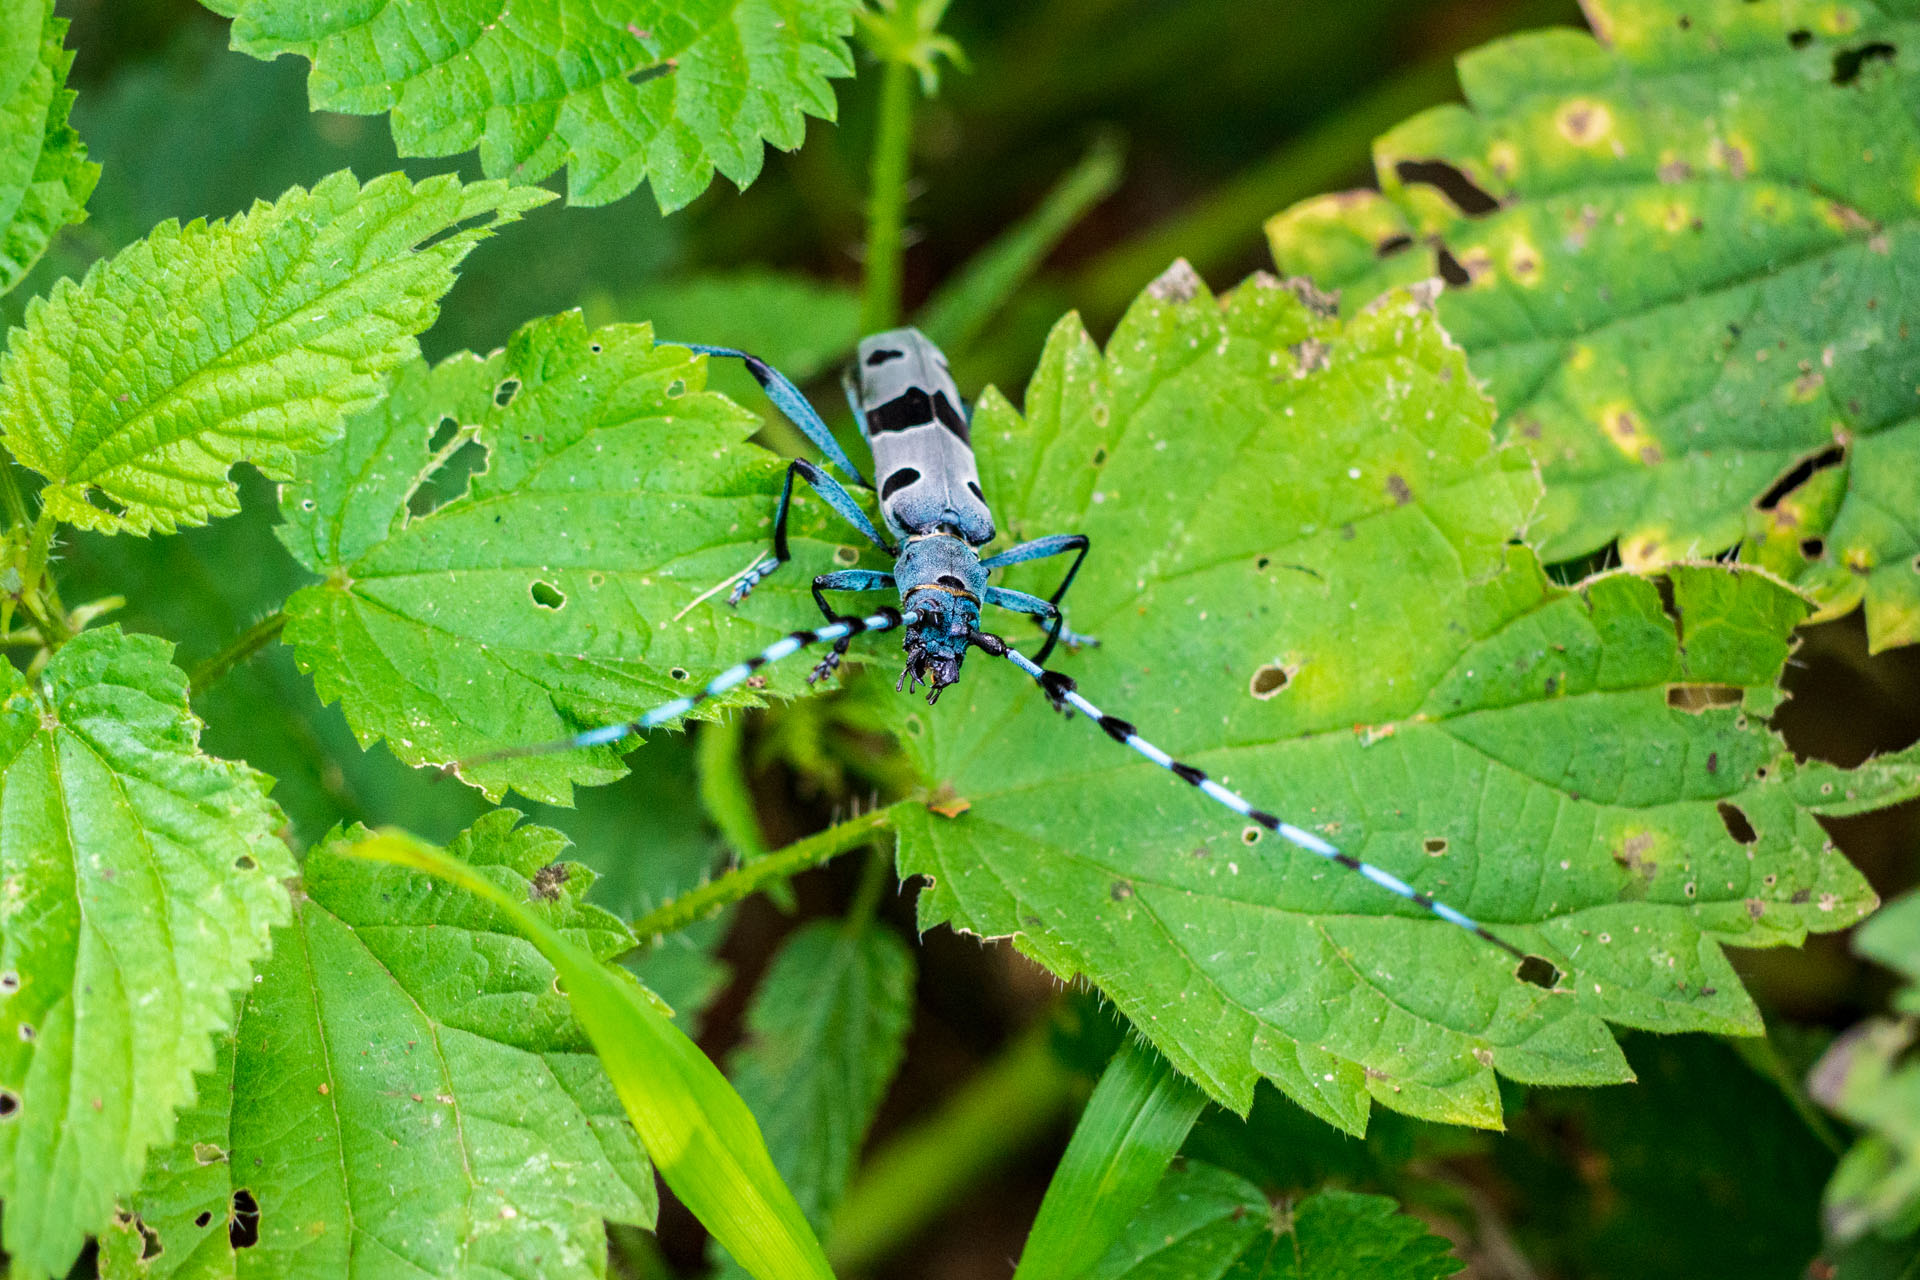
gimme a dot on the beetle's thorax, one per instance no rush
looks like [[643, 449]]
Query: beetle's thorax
[[917, 426], [940, 580]]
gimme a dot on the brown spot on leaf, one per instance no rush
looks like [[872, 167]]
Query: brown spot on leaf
[[1402, 495]]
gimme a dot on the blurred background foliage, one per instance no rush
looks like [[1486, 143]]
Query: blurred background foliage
[[1223, 112]]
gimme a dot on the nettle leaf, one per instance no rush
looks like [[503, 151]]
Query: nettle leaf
[[137, 389], [654, 90], [1204, 1223], [1304, 581], [405, 1093], [140, 878], [826, 1032], [798, 325], [1685, 247], [1870, 1077], [555, 592], [44, 174]]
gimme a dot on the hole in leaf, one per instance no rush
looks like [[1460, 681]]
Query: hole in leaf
[[9, 1104], [1268, 681], [1538, 971], [1462, 192], [678, 673], [245, 862], [1695, 698], [442, 434], [106, 502], [448, 481], [676, 388], [208, 1153], [1847, 63], [1813, 548], [1801, 472], [846, 555], [1451, 271], [1250, 836], [1435, 845], [1099, 455], [1800, 39], [27, 1033], [243, 1221], [459, 228], [150, 1246], [504, 393], [1392, 245], [1737, 825], [546, 595], [203, 1218]]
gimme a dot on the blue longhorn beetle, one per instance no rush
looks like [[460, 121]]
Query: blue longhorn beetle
[[905, 399]]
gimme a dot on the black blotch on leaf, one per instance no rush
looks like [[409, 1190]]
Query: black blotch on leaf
[[1802, 471], [1392, 245], [1736, 822], [1268, 681], [1538, 971], [1450, 269], [1800, 39], [546, 595], [243, 1221], [1450, 181], [204, 1218], [1813, 548], [245, 862], [1848, 62], [1435, 845], [9, 1104]]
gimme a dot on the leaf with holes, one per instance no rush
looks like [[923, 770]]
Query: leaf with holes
[[405, 1092], [649, 90], [590, 492], [44, 174], [1305, 582], [1204, 1223], [826, 1032], [140, 878], [135, 391], [1683, 249]]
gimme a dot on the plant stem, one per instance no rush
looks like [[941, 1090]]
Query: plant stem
[[243, 646], [744, 881], [917, 1175], [873, 882], [46, 611], [887, 200]]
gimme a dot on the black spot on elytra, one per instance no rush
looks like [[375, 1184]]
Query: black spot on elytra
[[897, 481], [877, 358]]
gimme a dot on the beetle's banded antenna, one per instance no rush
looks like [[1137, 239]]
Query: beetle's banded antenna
[[785, 647], [1060, 690]]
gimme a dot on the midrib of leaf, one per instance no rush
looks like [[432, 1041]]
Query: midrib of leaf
[[231, 360], [311, 972]]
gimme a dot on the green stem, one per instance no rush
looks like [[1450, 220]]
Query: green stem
[[887, 200], [244, 646], [45, 611], [917, 1176], [744, 881], [874, 878]]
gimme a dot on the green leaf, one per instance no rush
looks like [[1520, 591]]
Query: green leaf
[[701, 1136], [647, 91], [44, 174], [249, 340], [1132, 1127], [1206, 1224], [1685, 275], [1304, 581], [406, 1092], [548, 596], [1871, 1078], [141, 878], [826, 1031]]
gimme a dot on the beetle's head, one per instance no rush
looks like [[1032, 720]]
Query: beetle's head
[[937, 642]]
